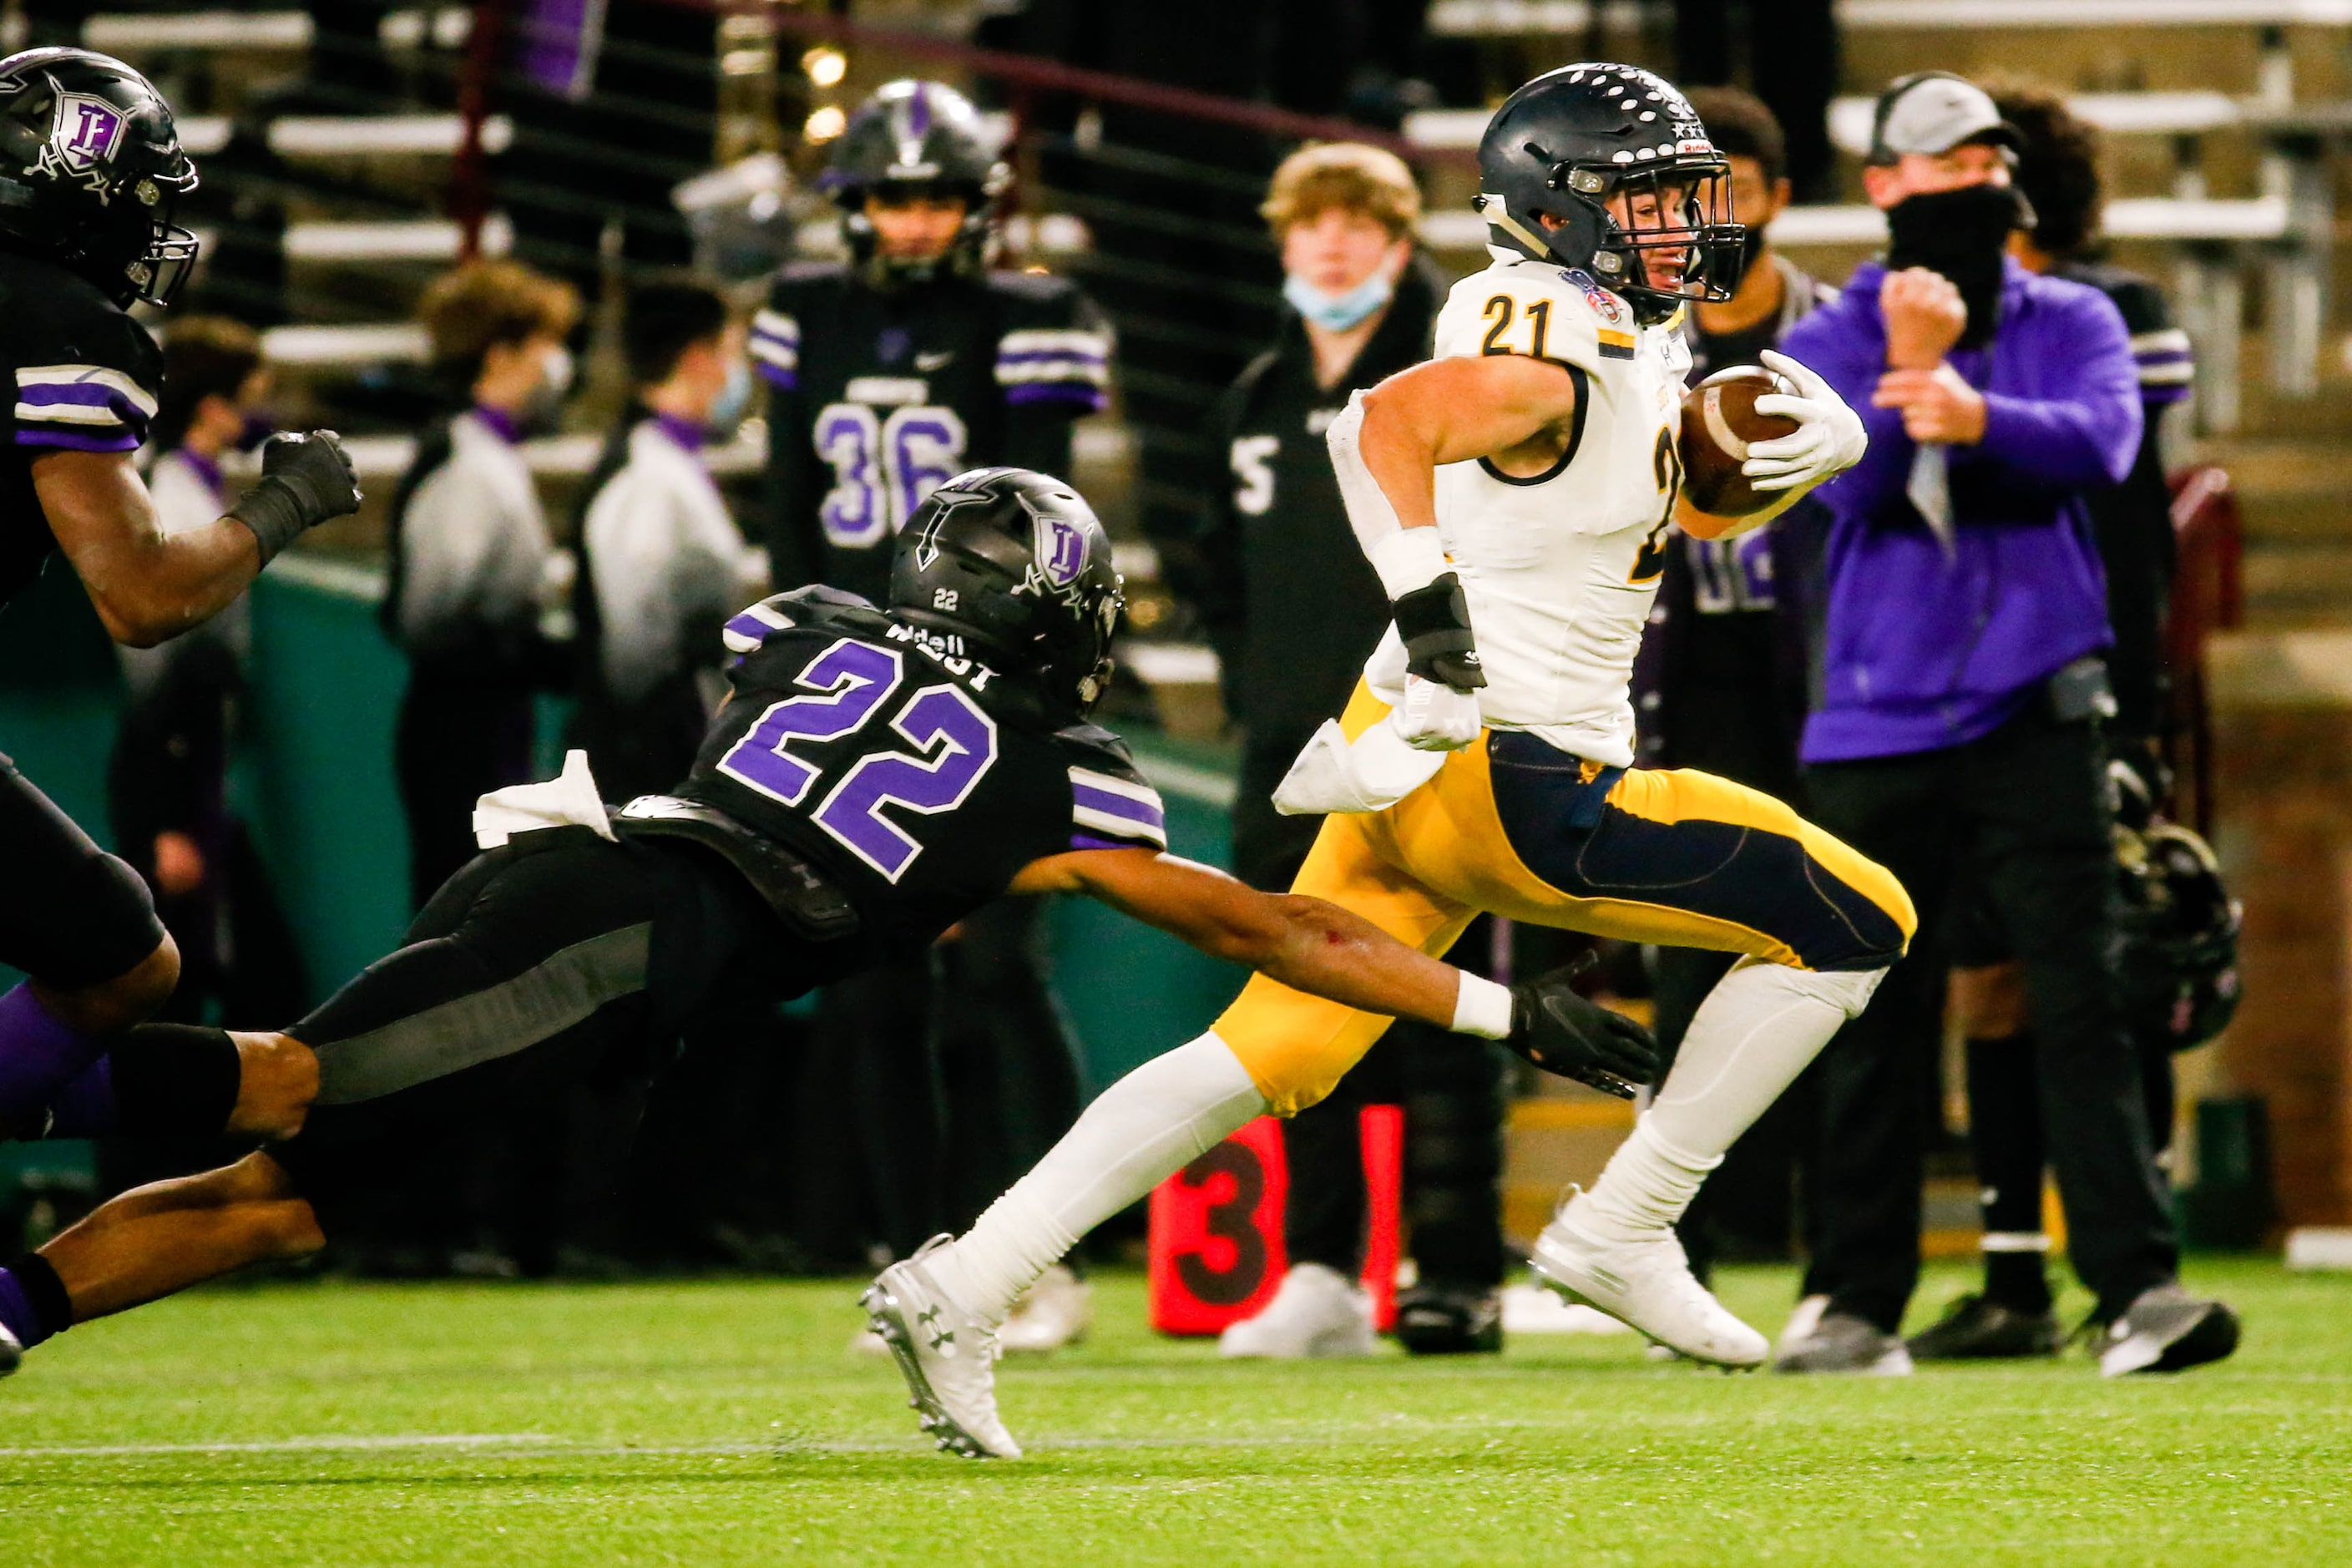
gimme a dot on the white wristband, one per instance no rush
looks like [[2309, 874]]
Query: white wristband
[[1408, 559], [1483, 1008]]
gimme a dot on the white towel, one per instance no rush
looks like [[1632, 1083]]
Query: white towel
[[1373, 774], [569, 799]]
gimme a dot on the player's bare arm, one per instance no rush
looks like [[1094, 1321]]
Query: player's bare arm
[[149, 586], [1306, 944], [1515, 411]]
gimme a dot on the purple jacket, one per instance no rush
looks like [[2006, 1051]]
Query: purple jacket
[[1922, 651]]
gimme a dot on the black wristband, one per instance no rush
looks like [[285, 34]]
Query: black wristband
[[1434, 623], [174, 1080], [273, 511]]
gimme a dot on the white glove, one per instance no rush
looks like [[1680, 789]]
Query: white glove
[[1433, 717], [1827, 441]]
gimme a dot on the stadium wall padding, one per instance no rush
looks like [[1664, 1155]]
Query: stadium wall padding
[[314, 782]]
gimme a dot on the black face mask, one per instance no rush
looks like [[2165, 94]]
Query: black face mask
[[1960, 234]]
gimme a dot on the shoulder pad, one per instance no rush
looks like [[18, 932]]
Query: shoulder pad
[[1036, 292], [804, 289], [814, 605], [86, 374]]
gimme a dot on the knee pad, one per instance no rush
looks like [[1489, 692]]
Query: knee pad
[[99, 922]]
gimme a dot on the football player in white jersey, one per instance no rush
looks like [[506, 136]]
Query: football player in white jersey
[[1515, 494]]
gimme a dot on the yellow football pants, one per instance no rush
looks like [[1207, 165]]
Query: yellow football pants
[[1510, 827]]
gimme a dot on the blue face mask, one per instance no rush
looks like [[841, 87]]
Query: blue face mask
[[1338, 313], [734, 401]]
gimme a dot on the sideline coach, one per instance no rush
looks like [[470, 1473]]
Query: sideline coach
[[1961, 689]]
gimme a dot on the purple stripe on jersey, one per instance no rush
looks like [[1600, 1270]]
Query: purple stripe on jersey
[[1088, 841], [79, 395], [1143, 811], [747, 625], [1047, 356], [776, 375], [2169, 393], [1085, 393], [789, 337], [73, 441]]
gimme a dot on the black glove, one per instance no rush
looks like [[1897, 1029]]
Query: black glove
[[1434, 623], [1563, 1033], [305, 481]]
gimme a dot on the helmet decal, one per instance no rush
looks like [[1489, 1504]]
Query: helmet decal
[[87, 129], [945, 501], [1061, 547]]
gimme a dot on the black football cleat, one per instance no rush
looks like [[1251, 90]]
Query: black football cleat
[[2167, 1330], [1440, 1320], [1977, 1327]]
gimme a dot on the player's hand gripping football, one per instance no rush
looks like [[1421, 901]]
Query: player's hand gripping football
[[1569, 1035], [1827, 439], [1440, 712], [305, 481]]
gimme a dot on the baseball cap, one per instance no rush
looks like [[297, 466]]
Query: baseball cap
[[1935, 111]]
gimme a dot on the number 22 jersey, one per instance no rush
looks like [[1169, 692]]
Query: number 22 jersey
[[1560, 568], [921, 783], [877, 397]]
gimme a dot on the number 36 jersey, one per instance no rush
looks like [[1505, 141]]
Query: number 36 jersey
[[919, 782], [1560, 568], [875, 398]]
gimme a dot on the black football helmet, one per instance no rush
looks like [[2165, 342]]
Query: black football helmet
[[2180, 959], [1569, 141], [91, 169], [912, 139], [1013, 568]]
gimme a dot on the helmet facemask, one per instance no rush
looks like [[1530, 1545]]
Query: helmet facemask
[[159, 272], [1667, 235]]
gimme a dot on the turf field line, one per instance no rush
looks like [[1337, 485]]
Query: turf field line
[[288, 1445]]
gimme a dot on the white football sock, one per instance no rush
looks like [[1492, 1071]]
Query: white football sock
[[1144, 1128], [1753, 1035]]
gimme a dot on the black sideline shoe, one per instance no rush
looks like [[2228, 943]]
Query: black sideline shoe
[[1977, 1327], [1436, 1319]]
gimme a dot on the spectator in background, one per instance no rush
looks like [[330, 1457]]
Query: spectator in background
[[472, 566], [662, 564], [1960, 693], [168, 782], [1719, 684], [1295, 611], [2013, 1315], [1792, 58]]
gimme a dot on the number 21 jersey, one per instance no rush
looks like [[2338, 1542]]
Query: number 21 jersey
[[920, 782], [1560, 568]]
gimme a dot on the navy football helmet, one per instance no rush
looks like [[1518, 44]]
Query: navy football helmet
[[913, 139], [1012, 567], [90, 169], [1571, 142]]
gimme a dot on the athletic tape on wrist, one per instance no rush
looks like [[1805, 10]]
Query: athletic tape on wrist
[[1407, 560], [273, 512], [1483, 1008]]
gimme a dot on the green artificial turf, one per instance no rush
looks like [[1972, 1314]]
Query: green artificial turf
[[724, 1422]]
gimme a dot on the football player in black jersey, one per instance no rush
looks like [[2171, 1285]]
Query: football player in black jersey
[[91, 169], [875, 777], [911, 363]]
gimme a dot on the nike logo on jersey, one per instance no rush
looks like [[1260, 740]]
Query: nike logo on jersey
[[929, 362]]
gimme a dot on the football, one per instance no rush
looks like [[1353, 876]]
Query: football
[[1719, 422]]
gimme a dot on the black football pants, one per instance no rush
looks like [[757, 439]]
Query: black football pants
[[2028, 803]]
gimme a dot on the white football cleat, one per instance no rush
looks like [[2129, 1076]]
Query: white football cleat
[[1316, 1312], [1058, 1310], [12, 1355], [947, 1355], [1646, 1284]]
